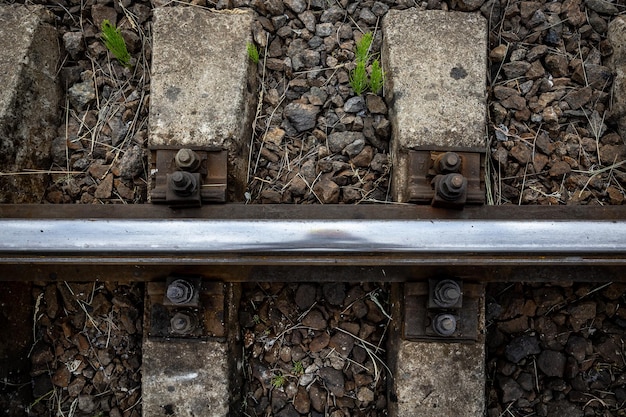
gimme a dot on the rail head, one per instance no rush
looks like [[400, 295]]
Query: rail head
[[314, 240]]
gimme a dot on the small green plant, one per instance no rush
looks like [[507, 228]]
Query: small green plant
[[115, 43], [363, 47], [376, 77], [278, 380], [298, 368], [253, 52], [359, 80]]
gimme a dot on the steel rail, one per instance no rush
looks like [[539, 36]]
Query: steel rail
[[237, 242], [171, 239]]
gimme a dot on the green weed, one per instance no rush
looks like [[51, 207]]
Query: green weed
[[376, 77], [298, 368], [115, 43], [363, 47], [278, 380], [253, 52], [359, 80]]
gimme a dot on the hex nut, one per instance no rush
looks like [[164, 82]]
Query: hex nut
[[444, 324], [182, 323], [183, 183], [187, 160], [180, 291], [451, 187], [446, 293], [448, 162]]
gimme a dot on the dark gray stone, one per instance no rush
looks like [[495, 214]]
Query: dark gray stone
[[73, 43], [515, 69], [564, 408], [339, 140], [333, 14], [354, 105], [602, 6], [520, 347], [288, 411], [301, 116], [511, 390], [334, 293], [470, 5], [298, 6], [333, 379], [551, 363], [132, 163], [354, 148], [305, 296], [324, 29]]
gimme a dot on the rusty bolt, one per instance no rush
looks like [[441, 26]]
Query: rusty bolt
[[180, 291], [182, 323], [452, 186], [444, 324], [183, 183], [187, 160], [448, 162], [446, 293]]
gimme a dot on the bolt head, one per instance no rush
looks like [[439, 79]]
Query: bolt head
[[452, 159], [448, 162], [178, 178], [187, 159], [456, 181], [175, 293], [452, 294], [180, 291], [444, 324], [182, 323], [446, 293], [182, 183], [184, 155], [447, 323], [179, 323]]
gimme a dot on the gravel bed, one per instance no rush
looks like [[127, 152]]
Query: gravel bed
[[553, 139], [86, 358], [315, 349], [551, 136], [556, 350], [552, 349]]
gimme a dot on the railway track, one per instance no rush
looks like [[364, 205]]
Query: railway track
[[242, 242], [433, 263], [218, 248]]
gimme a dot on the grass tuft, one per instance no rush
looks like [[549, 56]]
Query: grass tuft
[[376, 77], [278, 380], [363, 47], [298, 368], [114, 41], [358, 78]]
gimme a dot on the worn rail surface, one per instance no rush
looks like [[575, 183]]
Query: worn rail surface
[[371, 242]]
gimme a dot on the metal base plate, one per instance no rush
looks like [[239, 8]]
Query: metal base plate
[[209, 313], [212, 174], [418, 317], [422, 173]]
